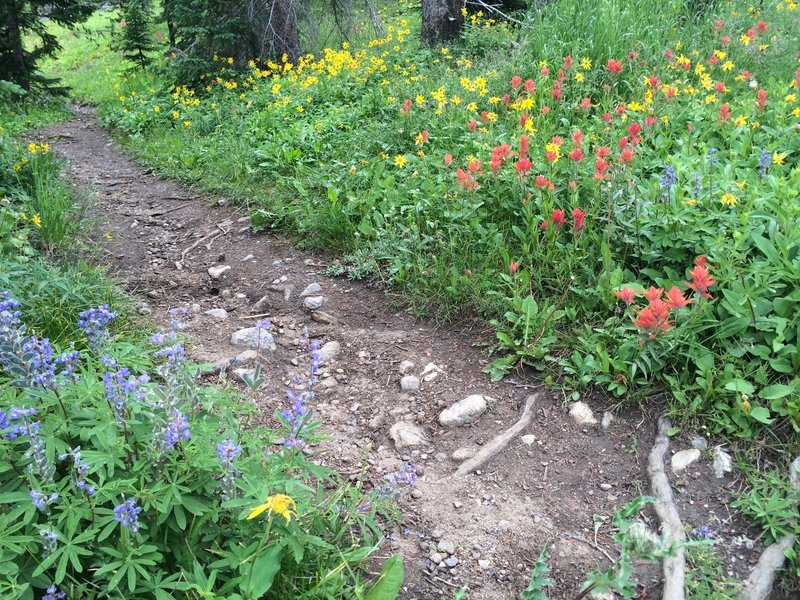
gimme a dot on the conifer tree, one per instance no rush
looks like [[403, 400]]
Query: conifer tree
[[136, 39]]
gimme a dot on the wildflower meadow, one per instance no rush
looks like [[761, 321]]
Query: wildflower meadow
[[610, 190]]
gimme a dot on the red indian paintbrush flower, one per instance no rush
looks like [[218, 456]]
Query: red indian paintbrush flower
[[652, 294], [701, 278], [626, 155], [523, 166], [579, 220], [559, 218], [614, 66], [541, 182], [448, 159], [516, 81], [473, 125], [524, 144], [626, 294], [653, 319], [676, 299], [513, 266]]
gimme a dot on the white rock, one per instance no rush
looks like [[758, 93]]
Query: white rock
[[723, 462], [409, 383], [248, 257], [405, 367], [431, 372], [683, 458], [218, 314], [330, 350], [464, 453], [407, 435], [528, 439], [582, 414], [484, 564], [446, 546], [464, 411], [314, 302], [253, 337], [311, 289], [217, 272], [605, 423], [246, 357], [240, 374], [328, 383], [794, 474]]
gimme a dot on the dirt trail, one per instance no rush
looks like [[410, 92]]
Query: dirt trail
[[560, 487]]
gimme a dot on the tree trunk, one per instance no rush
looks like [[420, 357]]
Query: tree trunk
[[284, 37], [441, 20], [13, 43]]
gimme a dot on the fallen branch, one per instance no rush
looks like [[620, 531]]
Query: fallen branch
[[759, 585], [501, 441], [212, 235], [674, 566]]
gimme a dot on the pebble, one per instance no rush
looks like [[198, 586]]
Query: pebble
[[253, 337], [437, 557], [464, 411], [723, 462], [528, 439], [683, 458], [407, 435], [605, 486], [431, 372], [241, 374], [217, 272], [409, 383], [699, 442], [219, 314], [582, 414], [323, 317], [451, 562], [314, 302], [605, 423], [311, 289], [446, 546], [405, 367], [437, 534], [464, 453], [416, 494], [484, 564]]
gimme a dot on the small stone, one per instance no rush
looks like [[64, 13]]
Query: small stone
[[683, 458], [241, 374], [794, 474], [253, 337], [194, 308], [416, 494], [437, 557], [700, 443], [484, 563], [528, 439], [328, 383], [605, 486], [409, 383], [582, 414], [218, 314], [437, 534], [407, 435], [217, 272], [314, 302], [248, 257], [723, 463], [311, 289], [605, 423], [446, 546], [451, 562], [464, 411], [464, 453], [145, 310], [405, 367], [431, 372], [330, 350], [322, 317]]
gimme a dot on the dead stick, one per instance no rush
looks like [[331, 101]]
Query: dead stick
[[674, 566], [501, 441]]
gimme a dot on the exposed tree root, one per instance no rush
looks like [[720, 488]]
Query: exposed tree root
[[759, 585], [674, 566], [501, 441]]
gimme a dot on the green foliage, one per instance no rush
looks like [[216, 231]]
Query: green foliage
[[539, 580], [705, 575], [136, 41], [771, 504]]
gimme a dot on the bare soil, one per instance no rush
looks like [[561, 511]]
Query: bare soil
[[562, 489]]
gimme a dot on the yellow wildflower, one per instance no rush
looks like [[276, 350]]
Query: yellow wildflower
[[400, 161], [778, 158], [280, 504], [728, 200], [741, 185], [579, 77], [36, 220], [740, 121], [586, 63], [690, 202]]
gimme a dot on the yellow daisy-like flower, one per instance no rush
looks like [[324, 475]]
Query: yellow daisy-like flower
[[690, 202], [36, 220], [400, 161], [586, 63], [778, 158], [579, 77], [279, 504], [728, 200], [741, 185]]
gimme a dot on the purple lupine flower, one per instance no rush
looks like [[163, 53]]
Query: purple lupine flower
[[177, 428], [764, 162], [408, 474], [668, 180], [49, 542], [9, 315], [16, 419], [81, 469], [53, 593], [68, 363], [712, 157], [95, 322], [175, 356], [40, 465], [127, 514], [120, 387], [696, 185], [227, 452], [41, 501], [703, 533], [175, 313]]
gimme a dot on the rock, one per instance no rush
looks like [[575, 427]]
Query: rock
[[484, 564], [416, 494], [248, 257], [437, 557], [437, 534], [194, 308], [409, 383], [405, 367], [723, 462], [311, 289], [605, 486], [582, 414], [464, 411], [794, 474], [217, 272], [253, 337], [322, 317], [464, 453], [218, 314], [240, 374], [683, 458], [407, 435], [528, 439], [699, 442], [451, 562], [287, 292], [446, 546], [328, 383], [246, 357], [605, 423], [330, 350], [145, 310], [314, 302], [431, 372], [603, 596]]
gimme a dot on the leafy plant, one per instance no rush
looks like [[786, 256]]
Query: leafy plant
[[539, 580]]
